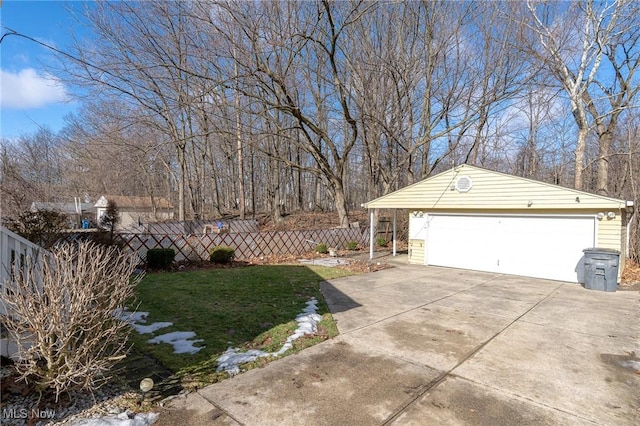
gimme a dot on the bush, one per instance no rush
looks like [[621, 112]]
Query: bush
[[322, 248], [221, 254], [160, 258], [352, 245], [110, 218], [42, 227], [60, 313], [381, 242]]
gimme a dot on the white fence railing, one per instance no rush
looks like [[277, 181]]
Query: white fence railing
[[15, 251]]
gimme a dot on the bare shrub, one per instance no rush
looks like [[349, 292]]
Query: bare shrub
[[61, 314]]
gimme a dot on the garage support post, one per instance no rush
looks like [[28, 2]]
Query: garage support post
[[371, 232]]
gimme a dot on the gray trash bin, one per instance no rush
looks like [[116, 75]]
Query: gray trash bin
[[601, 269]]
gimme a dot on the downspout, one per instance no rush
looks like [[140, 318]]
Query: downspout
[[395, 211], [630, 210]]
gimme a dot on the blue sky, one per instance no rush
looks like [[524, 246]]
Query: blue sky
[[30, 95]]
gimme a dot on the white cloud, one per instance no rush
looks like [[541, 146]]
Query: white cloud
[[28, 89]]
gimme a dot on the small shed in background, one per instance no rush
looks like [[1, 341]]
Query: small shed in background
[[472, 218], [134, 211]]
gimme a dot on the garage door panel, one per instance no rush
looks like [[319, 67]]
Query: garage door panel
[[462, 243], [544, 247]]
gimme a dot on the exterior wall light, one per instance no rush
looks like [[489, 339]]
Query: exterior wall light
[[600, 216], [611, 215]]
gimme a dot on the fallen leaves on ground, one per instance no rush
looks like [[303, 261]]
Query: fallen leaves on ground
[[362, 266], [356, 266], [310, 220], [631, 272], [630, 279]]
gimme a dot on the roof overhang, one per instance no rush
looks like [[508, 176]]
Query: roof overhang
[[491, 191]]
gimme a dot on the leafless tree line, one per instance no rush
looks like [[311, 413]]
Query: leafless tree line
[[249, 107]]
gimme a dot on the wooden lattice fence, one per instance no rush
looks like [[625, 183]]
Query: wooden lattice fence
[[247, 245]]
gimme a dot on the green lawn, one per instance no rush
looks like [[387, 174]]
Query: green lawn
[[247, 307]]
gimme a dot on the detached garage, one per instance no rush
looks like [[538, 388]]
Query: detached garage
[[472, 218]]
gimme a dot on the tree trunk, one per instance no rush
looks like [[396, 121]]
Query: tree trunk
[[240, 156], [340, 203], [581, 144], [181, 181], [240, 153], [602, 182]]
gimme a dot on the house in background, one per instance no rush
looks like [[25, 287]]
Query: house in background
[[75, 212], [136, 211]]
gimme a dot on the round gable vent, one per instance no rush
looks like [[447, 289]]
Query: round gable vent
[[463, 184]]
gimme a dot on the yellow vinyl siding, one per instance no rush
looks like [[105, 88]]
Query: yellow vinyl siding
[[416, 252], [609, 233], [491, 190]]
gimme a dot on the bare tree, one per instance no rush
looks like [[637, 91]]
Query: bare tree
[[427, 78], [615, 91], [108, 153], [291, 60], [226, 106], [31, 169], [142, 55], [571, 45]]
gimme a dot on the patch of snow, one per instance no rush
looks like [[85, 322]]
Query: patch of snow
[[180, 341], [232, 358], [122, 419], [307, 321], [148, 329], [130, 317]]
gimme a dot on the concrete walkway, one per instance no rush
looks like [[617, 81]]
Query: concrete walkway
[[425, 345]]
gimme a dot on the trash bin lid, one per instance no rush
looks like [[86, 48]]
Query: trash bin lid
[[600, 250]]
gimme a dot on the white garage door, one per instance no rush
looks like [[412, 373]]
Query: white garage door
[[535, 246]]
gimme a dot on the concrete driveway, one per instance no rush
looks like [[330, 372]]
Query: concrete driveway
[[425, 345]]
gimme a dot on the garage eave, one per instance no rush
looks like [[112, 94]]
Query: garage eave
[[492, 191]]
